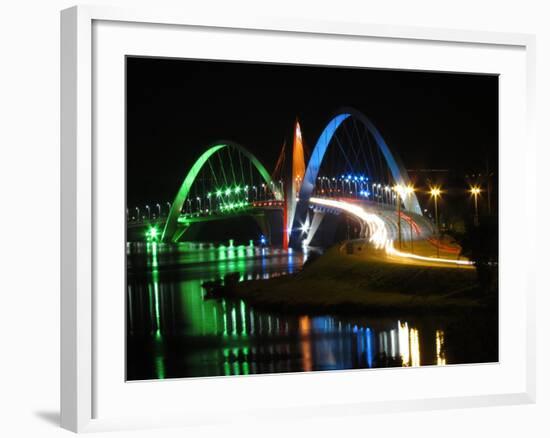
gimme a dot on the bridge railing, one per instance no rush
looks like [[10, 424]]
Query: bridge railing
[[357, 187]]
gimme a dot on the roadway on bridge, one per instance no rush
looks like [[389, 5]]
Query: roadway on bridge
[[381, 240]]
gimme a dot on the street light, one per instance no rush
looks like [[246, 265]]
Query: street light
[[158, 206], [409, 190], [435, 192], [218, 197], [152, 234], [399, 189], [138, 213], [148, 211], [475, 191]]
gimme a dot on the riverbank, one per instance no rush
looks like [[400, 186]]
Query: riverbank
[[366, 281]]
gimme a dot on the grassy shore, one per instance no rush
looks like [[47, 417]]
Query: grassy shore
[[366, 281]]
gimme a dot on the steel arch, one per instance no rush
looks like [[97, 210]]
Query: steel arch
[[172, 220], [398, 171]]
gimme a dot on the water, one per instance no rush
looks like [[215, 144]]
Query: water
[[173, 331]]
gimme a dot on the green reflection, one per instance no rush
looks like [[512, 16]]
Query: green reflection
[[154, 301], [224, 309], [234, 321], [241, 252], [243, 318], [159, 367], [226, 366]]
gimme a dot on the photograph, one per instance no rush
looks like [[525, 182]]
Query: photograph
[[288, 218]]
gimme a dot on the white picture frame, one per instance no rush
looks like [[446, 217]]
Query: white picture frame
[[80, 366]]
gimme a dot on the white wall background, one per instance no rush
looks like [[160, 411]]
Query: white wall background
[[29, 214]]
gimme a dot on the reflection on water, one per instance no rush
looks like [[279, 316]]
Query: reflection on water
[[173, 331]]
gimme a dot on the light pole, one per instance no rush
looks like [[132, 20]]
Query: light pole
[[409, 190], [138, 213], [398, 189], [199, 202], [148, 211], [435, 192], [158, 206], [218, 197], [169, 207], [227, 193], [475, 191]]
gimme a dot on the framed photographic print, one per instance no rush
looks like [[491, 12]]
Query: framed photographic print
[[258, 208]]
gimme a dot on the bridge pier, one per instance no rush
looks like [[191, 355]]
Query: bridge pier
[[265, 226], [178, 233], [318, 217]]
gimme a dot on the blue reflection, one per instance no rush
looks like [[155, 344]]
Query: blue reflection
[[369, 342]]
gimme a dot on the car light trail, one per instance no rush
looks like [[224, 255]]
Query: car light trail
[[378, 232], [379, 236], [394, 252]]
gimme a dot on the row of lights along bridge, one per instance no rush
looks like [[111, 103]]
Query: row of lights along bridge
[[231, 198], [223, 198]]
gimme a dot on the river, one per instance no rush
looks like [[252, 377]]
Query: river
[[174, 332]]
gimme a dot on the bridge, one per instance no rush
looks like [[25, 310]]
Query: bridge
[[351, 171]]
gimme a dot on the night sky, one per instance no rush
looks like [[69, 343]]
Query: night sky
[[176, 108]]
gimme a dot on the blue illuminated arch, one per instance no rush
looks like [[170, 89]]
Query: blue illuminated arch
[[399, 173]]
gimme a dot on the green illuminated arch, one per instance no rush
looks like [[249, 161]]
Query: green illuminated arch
[[172, 222]]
